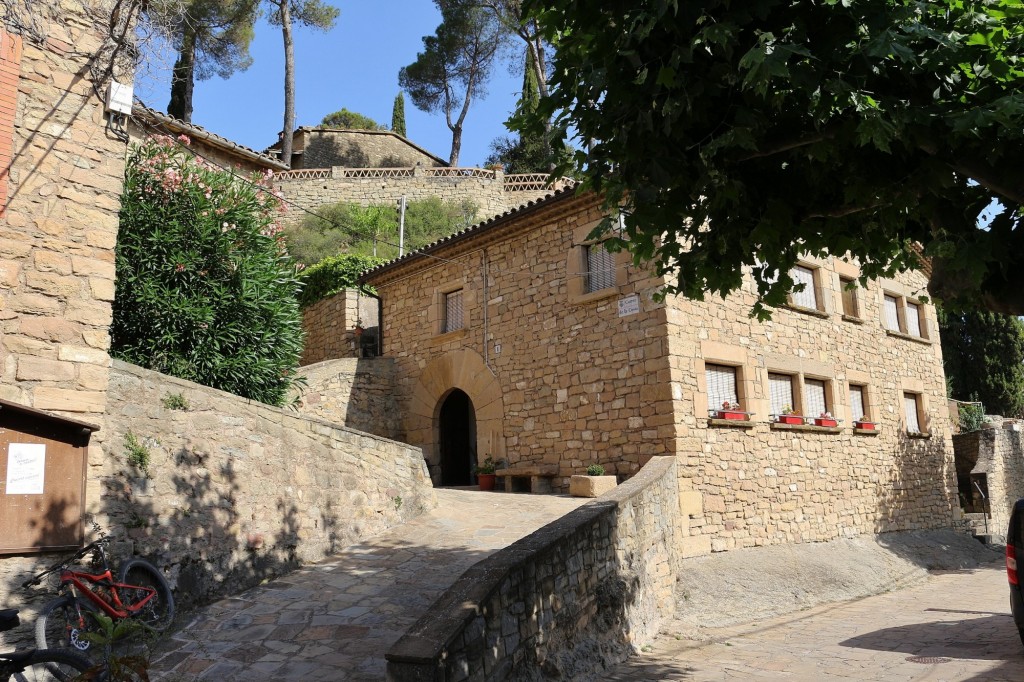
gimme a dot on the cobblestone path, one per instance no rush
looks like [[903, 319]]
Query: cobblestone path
[[955, 626], [336, 619]]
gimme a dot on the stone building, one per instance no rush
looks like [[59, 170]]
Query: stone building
[[326, 147], [148, 122], [520, 340]]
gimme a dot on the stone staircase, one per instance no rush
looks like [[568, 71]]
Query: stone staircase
[[980, 527]]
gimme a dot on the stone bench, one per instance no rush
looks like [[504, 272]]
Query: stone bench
[[528, 479]]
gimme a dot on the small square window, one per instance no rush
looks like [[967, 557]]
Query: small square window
[[721, 382], [600, 268], [808, 297], [849, 293], [815, 399], [857, 403], [452, 311], [912, 410], [780, 390]]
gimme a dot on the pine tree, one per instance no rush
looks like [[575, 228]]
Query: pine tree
[[398, 115]]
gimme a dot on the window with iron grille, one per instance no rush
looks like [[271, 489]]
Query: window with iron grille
[[892, 313], [857, 410], [780, 389], [600, 268], [452, 311], [911, 406], [815, 402], [849, 297], [721, 381], [808, 298], [913, 319]]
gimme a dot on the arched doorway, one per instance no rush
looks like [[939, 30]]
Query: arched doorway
[[456, 431]]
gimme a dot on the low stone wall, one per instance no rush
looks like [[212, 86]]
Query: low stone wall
[[569, 600], [330, 327], [999, 455], [356, 393]]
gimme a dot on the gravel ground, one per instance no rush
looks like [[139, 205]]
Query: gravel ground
[[745, 585]]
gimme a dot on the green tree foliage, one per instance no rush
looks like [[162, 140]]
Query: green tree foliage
[[285, 13], [211, 38], [373, 230], [333, 274], [742, 135], [454, 65], [205, 289], [349, 120], [398, 115], [983, 354]]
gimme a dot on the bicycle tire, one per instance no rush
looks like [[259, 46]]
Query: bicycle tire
[[63, 622], [159, 611], [55, 665]]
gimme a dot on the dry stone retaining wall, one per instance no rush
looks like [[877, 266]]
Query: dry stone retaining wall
[[565, 602], [354, 392]]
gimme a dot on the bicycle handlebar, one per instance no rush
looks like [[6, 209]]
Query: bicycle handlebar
[[64, 563]]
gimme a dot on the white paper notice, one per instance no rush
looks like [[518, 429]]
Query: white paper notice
[[26, 464]]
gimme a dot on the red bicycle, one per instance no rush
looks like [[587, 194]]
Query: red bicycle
[[140, 592]]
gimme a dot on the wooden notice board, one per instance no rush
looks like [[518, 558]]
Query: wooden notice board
[[43, 461]]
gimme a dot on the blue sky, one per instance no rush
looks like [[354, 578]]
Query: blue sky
[[355, 66]]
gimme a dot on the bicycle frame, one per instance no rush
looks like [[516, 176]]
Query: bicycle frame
[[118, 609]]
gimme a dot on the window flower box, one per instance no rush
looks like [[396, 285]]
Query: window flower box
[[730, 414], [730, 411], [825, 421], [865, 425], [794, 419]]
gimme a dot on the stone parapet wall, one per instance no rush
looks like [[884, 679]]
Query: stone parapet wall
[[329, 325], [237, 491], [999, 454], [360, 149], [355, 393], [565, 602]]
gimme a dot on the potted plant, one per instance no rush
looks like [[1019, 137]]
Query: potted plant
[[825, 419], [789, 416], [485, 474], [358, 328], [593, 484], [864, 424], [730, 411]]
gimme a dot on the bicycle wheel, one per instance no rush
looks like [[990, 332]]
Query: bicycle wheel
[[63, 624], [158, 611], [56, 665]]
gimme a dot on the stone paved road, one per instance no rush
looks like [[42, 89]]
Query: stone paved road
[[960, 620], [336, 619]]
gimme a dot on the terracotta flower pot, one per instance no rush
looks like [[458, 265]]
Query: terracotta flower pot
[[486, 481]]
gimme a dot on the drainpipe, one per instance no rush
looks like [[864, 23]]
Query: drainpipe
[[487, 296]]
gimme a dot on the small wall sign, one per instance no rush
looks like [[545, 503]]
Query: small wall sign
[[26, 466], [629, 305]]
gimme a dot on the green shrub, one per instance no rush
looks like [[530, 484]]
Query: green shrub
[[136, 453], [175, 401], [972, 416], [205, 288], [595, 470], [331, 275]]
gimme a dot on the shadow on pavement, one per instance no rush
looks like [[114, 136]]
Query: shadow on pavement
[[636, 670]]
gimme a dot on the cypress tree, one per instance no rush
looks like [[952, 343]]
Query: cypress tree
[[398, 115], [983, 354]]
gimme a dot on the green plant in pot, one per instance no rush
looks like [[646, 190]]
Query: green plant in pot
[[485, 473], [595, 470]]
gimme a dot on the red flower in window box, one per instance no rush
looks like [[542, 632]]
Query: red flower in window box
[[825, 419], [731, 411]]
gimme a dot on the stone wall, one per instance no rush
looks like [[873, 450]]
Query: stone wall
[[565, 602], [351, 392], [564, 378], [330, 327], [999, 455], [361, 149], [237, 491]]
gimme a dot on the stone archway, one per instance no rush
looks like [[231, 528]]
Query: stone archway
[[463, 370]]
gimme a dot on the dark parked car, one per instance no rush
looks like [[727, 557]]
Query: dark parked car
[[1015, 553]]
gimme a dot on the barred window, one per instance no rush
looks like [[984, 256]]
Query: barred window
[[808, 298], [600, 268], [814, 396], [911, 406], [780, 389], [849, 297], [721, 381], [453, 311], [913, 319], [857, 410], [892, 313]]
